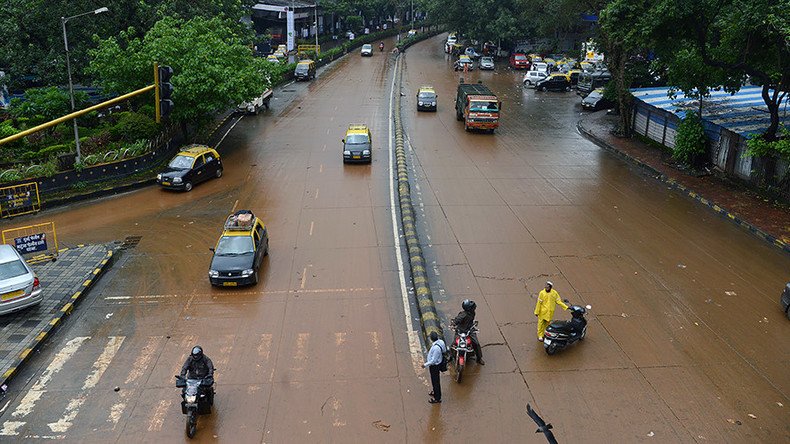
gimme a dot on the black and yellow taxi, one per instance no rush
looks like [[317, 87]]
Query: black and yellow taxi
[[426, 98], [239, 251], [192, 165], [357, 145]]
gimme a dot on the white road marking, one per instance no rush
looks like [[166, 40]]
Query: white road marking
[[414, 340], [228, 131], [99, 367], [28, 402], [312, 224], [315, 196], [138, 369], [301, 351], [233, 210], [264, 348], [321, 167], [374, 338], [304, 277], [158, 418], [237, 293]]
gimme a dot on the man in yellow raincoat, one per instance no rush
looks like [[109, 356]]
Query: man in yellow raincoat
[[548, 299]]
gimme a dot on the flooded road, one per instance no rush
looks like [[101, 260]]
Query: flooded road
[[685, 340]]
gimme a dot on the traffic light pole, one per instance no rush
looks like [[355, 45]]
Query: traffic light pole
[[156, 92]]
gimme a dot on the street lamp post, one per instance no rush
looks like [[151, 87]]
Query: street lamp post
[[63, 21], [315, 16]]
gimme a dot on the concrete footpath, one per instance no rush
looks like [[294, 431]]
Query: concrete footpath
[[64, 282], [763, 218]]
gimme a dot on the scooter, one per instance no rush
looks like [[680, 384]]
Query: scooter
[[462, 350], [197, 398], [381, 47], [560, 334]]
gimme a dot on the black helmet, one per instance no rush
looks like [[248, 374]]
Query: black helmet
[[468, 305], [197, 352]]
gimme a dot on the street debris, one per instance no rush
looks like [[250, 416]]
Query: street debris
[[751, 416], [379, 424], [651, 434], [731, 293], [681, 266]]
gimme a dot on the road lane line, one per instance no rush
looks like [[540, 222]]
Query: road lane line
[[321, 168], [265, 346], [227, 342], [28, 402], [315, 196], [138, 369], [374, 338], [414, 340], [233, 210], [228, 131], [304, 277], [99, 367], [301, 351], [158, 418], [312, 223]]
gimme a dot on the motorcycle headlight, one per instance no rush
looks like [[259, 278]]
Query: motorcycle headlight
[[176, 180], [347, 153], [366, 152], [190, 398], [159, 176], [247, 272], [213, 273]]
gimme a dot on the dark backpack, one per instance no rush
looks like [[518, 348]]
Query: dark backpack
[[443, 364]]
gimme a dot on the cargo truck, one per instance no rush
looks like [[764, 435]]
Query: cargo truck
[[477, 106]]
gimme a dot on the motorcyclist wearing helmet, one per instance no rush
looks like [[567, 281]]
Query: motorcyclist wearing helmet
[[199, 366], [464, 322]]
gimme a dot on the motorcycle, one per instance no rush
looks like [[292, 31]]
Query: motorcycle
[[560, 334], [197, 398], [462, 350], [381, 47]]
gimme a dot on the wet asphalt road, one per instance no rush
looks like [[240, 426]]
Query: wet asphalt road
[[685, 338]]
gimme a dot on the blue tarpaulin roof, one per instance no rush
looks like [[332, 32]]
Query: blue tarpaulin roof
[[744, 112]]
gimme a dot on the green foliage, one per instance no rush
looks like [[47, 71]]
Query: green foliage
[[7, 129], [690, 140], [44, 104], [47, 169], [11, 175], [50, 151], [133, 126], [136, 148], [354, 22], [759, 146], [79, 165], [213, 65], [81, 185]]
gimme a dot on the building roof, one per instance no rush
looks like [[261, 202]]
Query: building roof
[[743, 113]]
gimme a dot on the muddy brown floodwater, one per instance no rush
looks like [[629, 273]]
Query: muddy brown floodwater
[[685, 343]]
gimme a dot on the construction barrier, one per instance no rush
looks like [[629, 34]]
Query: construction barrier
[[19, 199], [37, 243]]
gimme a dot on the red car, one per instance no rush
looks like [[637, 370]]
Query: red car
[[519, 61]]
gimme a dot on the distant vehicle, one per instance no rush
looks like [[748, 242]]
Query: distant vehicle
[[574, 74], [477, 106], [464, 62], [358, 144], [19, 285], [539, 66], [486, 63], [192, 165], [589, 81], [426, 98], [471, 52], [282, 48], [595, 101], [272, 58], [452, 39], [785, 300], [254, 106], [533, 77], [411, 33], [305, 70], [239, 251], [557, 82], [279, 54], [367, 50], [519, 61]]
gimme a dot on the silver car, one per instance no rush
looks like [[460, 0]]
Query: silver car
[[19, 286], [486, 63]]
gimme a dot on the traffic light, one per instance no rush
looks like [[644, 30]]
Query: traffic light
[[164, 91]]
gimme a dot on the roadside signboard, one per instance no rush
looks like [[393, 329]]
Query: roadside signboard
[[37, 242], [19, 199], [32, 243]]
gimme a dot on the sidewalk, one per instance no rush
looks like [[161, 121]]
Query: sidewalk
[[64, 281], [769, 221]]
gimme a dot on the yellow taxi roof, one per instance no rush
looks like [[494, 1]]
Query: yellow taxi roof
[[194, 150], [305, 62], [426, 88], [464, 57], [357, 128]]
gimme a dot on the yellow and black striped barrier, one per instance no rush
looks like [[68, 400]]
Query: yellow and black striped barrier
[[425, 304]]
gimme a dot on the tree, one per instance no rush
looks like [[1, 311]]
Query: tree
[[214, 67], [45, 104]]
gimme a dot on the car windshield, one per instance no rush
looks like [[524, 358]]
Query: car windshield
[[484, 106], [521, 57], [427, 96], [367, 46], [356, 139], [595, 95], [487, 59], [181, 162], [301, 68], [234, 246], [13, 269]]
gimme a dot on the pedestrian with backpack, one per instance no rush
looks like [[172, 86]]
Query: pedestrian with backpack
[[436, 363]]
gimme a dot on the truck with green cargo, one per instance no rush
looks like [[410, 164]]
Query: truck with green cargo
[[477, 106]]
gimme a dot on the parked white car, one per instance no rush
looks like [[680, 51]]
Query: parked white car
[[19, 285], [254, 106], [533, 77]]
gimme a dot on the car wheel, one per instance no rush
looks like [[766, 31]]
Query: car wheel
[[219, 173], [567, 88], [188, 186], [544, 89]]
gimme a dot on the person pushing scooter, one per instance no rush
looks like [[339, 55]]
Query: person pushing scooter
[[548, 298]]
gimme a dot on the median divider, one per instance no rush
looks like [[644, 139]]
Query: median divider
[[429, 318]]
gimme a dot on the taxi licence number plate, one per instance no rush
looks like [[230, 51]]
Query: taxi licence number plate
[[167, 184], [12, 295], [229, 284], [357, 157]]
